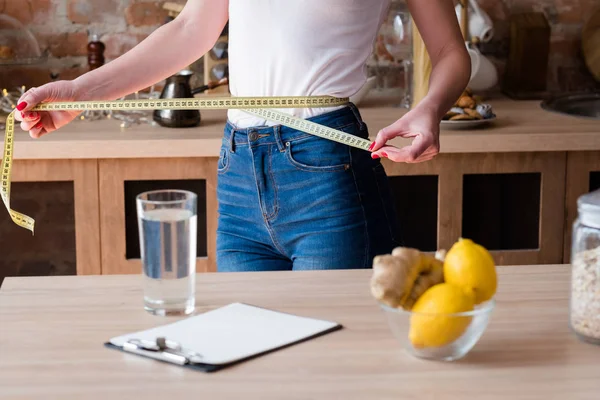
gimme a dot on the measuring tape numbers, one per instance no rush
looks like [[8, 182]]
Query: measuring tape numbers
[[258, 106]]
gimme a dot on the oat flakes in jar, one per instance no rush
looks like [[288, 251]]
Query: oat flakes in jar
[[585, 272]]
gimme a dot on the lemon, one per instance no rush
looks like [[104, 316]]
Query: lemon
[[470, 266], [435, 327]]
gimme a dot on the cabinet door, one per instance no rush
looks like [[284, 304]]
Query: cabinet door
[[62, 197], [512, 203], [583, 176], [122, 180]]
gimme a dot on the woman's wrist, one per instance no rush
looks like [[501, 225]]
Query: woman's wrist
[[84, 89], [433, 106]]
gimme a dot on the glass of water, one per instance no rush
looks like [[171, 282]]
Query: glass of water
[[167, 221]]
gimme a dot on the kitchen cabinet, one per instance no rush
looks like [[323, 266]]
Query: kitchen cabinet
[[510, 202], [512, 186]]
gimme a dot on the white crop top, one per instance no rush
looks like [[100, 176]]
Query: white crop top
[[299, 48]]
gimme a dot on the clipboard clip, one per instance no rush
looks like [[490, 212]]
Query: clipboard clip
[[162, 349]]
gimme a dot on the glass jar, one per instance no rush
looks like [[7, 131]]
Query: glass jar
[[585, 269]]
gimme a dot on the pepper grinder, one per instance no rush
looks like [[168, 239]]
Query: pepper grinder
[[95, 50], [95, 53]]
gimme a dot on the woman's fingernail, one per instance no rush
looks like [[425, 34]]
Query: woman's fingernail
[[21, 105], [374, 156], [371, 146], [384, 154], [39, 125]]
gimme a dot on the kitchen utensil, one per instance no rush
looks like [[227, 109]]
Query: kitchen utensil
[[178, 87], [584, 105], [590, 43], [525, 76], [483, 72], [476, 25], [216, 61]]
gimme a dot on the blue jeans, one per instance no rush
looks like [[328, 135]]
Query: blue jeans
[[289, 200]]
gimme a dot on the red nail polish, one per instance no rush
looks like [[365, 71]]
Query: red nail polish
[[374, 156], [21, 105], [371, 146], [384, 154], [39, 125]]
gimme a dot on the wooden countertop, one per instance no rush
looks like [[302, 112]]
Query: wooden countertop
[[52, 330], [520, 126]]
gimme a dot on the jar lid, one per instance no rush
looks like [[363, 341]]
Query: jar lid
[[588, 206]]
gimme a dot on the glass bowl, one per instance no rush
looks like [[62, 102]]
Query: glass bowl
[[439, 337]]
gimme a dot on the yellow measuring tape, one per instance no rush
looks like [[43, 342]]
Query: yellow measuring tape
[[259, 106]]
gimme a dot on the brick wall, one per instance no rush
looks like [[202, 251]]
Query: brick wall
[[63, 26]]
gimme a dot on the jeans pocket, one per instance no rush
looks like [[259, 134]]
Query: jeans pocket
[[223, 163], [315, 154]]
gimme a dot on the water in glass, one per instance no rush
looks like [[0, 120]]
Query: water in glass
[[168, 252]]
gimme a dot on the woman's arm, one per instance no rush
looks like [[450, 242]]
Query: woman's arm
[[451, 65], [451, 70], [164, 52]]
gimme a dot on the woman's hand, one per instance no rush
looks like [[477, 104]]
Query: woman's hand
[[422, 125], [451, 70], [38, 123]]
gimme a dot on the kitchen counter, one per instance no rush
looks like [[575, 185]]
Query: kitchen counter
[[519, 127], [478, 177], [53, 330]]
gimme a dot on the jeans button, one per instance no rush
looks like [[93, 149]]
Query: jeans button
[[253, 136]]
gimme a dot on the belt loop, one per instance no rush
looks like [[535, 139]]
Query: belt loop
[[278, 139], [357, 115]]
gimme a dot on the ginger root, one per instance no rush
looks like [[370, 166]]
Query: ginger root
[[400, 278]]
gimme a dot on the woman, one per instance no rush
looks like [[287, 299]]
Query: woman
[[288, 200]]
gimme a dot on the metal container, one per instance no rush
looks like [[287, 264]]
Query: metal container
[[177, 86]]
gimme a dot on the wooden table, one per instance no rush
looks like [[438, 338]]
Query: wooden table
[[52, 330]]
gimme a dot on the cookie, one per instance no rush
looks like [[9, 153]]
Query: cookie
[[462, 117], [473, 113], [465, 102]]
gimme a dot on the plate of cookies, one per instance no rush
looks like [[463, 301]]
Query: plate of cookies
[[468, 112]]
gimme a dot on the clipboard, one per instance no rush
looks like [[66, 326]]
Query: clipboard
[[222, 337]]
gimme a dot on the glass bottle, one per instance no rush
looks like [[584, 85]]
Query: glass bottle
[[585, 269]]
